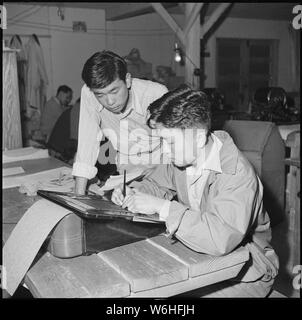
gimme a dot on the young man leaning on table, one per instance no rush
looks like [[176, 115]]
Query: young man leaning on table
[[219, 205], [115, 105]]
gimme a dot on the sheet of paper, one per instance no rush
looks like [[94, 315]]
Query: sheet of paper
[[28, 153], [26, 239], [12, 171], [42, 177], [114, 181]]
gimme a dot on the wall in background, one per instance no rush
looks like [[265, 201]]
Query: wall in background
[[151, 35], [65, 52], [252, 29]]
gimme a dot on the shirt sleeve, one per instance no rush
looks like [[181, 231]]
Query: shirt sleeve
[[159, 183], [157, 91], [89, 137]]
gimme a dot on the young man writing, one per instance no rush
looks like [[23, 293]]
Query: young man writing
[[114, 104], [219, 205]]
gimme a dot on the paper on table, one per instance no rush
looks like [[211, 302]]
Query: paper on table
[[42, 176], [26, 239], [12, 171], [28, 153], [114, 181]]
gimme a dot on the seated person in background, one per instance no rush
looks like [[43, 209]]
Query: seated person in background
[[219, 205], [53, 109], [62, 142], [74, 119]]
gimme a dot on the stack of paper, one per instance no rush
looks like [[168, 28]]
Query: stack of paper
[[28, 153], [42, 177]]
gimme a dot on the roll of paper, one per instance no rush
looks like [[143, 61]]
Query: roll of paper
[[27, 238]]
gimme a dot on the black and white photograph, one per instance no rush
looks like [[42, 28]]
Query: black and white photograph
[[151, 150]]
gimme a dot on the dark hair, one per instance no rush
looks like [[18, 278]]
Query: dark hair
[[64, 89], [181, 108], [103, 68]]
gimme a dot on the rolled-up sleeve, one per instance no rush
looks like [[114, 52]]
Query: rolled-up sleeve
[[225, 223], [89, 137]]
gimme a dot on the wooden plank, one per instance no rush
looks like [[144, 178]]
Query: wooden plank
[[192, 49], [190, 284], [144, 266], [192, 18], [214, 17], [170, 21], [80, 277], [116, 12], [198, 263]]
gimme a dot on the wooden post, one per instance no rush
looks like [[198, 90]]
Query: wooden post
[[170, 21], [214, 17], [192, 47]]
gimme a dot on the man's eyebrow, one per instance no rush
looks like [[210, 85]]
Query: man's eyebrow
[[99, 93]]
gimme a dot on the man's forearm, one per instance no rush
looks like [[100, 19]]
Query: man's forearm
[[80, 185]]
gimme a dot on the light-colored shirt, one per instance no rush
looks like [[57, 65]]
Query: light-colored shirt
[[128, 132], [197, 176]]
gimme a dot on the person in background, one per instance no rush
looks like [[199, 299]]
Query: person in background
[[62, 142], [114, 105], [219, 203], [53, 109]]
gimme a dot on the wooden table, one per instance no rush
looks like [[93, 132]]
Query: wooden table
[[144, 267]]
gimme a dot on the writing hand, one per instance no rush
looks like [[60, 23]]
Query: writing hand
[[139, 202], [117, 195]]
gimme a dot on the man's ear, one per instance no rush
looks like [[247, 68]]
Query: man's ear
[[128, 80], [201, 137]]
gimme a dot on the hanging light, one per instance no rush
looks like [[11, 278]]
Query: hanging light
[[178, 53]]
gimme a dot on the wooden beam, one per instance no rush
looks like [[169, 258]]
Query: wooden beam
[[192, 47], [214, 17], [191, 19], [169, 20], [114, 13]]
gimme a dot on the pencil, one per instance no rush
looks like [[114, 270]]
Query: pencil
[[124, 187]]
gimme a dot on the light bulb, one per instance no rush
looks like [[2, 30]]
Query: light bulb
[[177, 57]]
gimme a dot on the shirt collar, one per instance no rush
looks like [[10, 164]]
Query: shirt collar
[[213, 160], [134, 102], [211, 163]]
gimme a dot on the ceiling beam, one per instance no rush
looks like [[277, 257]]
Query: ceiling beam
[[214, 17], [193, 16], [130, 10], [124, 12], [170, 21]]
